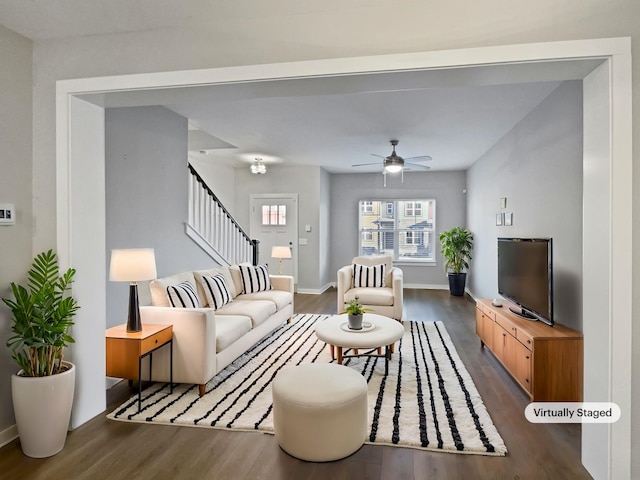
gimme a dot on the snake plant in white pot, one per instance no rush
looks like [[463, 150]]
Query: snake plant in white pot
[[42, 391]]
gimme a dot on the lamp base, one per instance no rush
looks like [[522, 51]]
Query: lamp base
[[133, 322]]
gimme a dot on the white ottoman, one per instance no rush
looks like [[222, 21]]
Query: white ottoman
[[319, 411]]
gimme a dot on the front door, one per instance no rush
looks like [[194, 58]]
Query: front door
[[274, 222]]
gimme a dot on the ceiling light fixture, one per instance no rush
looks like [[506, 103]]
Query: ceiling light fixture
[[258, 168]]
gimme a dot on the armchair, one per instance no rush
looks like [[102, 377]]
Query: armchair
[[386, 300]]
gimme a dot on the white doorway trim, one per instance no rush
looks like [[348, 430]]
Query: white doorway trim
[[611, 448]]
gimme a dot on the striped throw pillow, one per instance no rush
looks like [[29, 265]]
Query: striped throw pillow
[[368, 276], [183, 295], [255, 278], [216, 290]]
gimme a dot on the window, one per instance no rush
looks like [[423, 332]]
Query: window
[[389, 208], [402, 228], [274, 215], [413, 209]]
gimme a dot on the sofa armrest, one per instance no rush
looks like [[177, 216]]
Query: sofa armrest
[[397, 286], [344, 284], [194, 343], [282, 282]]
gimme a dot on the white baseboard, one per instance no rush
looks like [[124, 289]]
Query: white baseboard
[[422, 286], [8, 435], [427, 286], [313, 291]]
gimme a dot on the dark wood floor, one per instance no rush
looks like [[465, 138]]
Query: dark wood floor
[[104, 449]]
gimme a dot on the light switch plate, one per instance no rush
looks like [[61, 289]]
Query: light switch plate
[[302, 241], [7, 214]]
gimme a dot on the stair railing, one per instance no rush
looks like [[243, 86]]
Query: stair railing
[[212, 227]]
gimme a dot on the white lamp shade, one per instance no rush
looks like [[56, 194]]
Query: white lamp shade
[[132, 265], [280, 252]]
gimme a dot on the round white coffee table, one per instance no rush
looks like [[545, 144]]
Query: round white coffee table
[[377, 332]]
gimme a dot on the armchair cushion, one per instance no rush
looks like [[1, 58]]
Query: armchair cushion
[[370, 260], [364, 276], [370, 296]]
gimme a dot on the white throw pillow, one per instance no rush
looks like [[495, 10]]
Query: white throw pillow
[[183, 295], [255, 278], [368, 276], [217, 291]]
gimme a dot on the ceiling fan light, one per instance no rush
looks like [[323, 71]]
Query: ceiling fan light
[[258, 168], [393, 168]]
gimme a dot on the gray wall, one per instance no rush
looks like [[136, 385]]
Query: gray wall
[[348, 189], [146, 190], [538, 168], [15, 187]]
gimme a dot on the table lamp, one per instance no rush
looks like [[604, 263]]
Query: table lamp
[[133, 265], [280, 253]]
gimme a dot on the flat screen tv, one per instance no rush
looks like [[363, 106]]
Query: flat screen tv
[[525, 276]]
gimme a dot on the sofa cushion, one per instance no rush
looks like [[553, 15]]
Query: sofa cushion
[[368, 276], [234, 271], [158, 287], [255, 278], [183, 295], [216, 290], [257, 310], [279, 297], [230, 328], [222, 270], [370, 296]]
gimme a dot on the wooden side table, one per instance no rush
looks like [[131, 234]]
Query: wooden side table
[[125, 351]]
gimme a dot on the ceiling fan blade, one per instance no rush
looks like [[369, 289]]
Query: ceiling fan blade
[[421, 158], [376, 155], [365, 164], [421, 167]]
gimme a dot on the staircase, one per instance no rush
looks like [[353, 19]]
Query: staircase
[[213, 228]]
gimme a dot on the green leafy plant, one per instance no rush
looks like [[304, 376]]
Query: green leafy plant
[[355, 308], [42, 315], [457, 244]]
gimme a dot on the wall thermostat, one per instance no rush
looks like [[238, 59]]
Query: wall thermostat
[[7, 214]]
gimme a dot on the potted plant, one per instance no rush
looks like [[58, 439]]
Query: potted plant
[[42, 391], [457, 244], [355, 311]]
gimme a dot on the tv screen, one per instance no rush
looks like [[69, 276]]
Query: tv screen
[[525, 276]]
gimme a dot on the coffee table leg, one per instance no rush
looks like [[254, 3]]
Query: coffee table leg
[[387, 357], [339, 355], [332, 350]]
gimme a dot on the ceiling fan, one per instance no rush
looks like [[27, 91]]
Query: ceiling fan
[[394, 163]]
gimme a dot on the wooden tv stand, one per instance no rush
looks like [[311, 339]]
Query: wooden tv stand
[[547, 362]]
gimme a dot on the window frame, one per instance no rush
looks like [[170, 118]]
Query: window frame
[[376, 225]]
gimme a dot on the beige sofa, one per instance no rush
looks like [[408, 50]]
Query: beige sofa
[[387, 300], [207, 340]]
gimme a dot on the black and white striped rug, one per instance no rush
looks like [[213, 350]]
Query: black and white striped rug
[[427, 401]]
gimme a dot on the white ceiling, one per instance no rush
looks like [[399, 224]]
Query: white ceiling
[[454, 116]]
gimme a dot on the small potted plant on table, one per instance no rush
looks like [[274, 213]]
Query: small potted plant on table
[[42, 391], [356, 312]]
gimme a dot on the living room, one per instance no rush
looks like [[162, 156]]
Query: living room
[[48, 221]]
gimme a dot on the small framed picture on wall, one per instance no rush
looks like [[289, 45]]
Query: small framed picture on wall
[[498, 219], [508, 219]]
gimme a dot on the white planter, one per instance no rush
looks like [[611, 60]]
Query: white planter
[[42, 407]]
